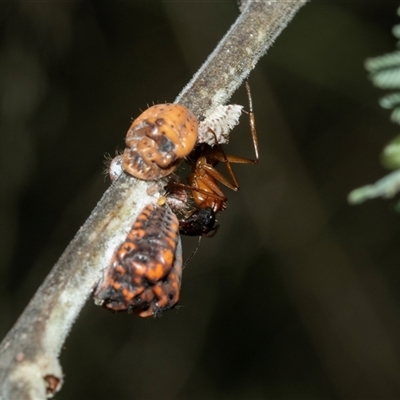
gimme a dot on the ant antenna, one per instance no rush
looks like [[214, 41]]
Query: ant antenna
[[193, 252], [252, 121]]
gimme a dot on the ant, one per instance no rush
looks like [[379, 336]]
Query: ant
[[203, 181], [199, 223]]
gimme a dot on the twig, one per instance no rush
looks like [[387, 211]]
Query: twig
[[237, 53], [29, 366]]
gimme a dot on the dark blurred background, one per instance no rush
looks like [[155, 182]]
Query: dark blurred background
[[297, 296]]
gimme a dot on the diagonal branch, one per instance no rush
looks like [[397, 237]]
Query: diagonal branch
[[29, 364]]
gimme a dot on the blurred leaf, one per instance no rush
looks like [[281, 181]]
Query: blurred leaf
[[390, 156]]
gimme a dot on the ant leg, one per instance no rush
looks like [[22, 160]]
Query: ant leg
[[220, 155], [252, 122], [205, 192], [221, 178]]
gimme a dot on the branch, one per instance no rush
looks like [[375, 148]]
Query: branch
[[237, 54], [29, 367]]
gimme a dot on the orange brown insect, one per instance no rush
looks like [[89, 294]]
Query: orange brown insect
[[158, 140], [144, 276]]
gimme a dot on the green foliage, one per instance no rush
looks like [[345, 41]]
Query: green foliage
[[385, 74], [390, 156]]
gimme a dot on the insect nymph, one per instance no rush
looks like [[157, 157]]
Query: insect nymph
[[144, 275]]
